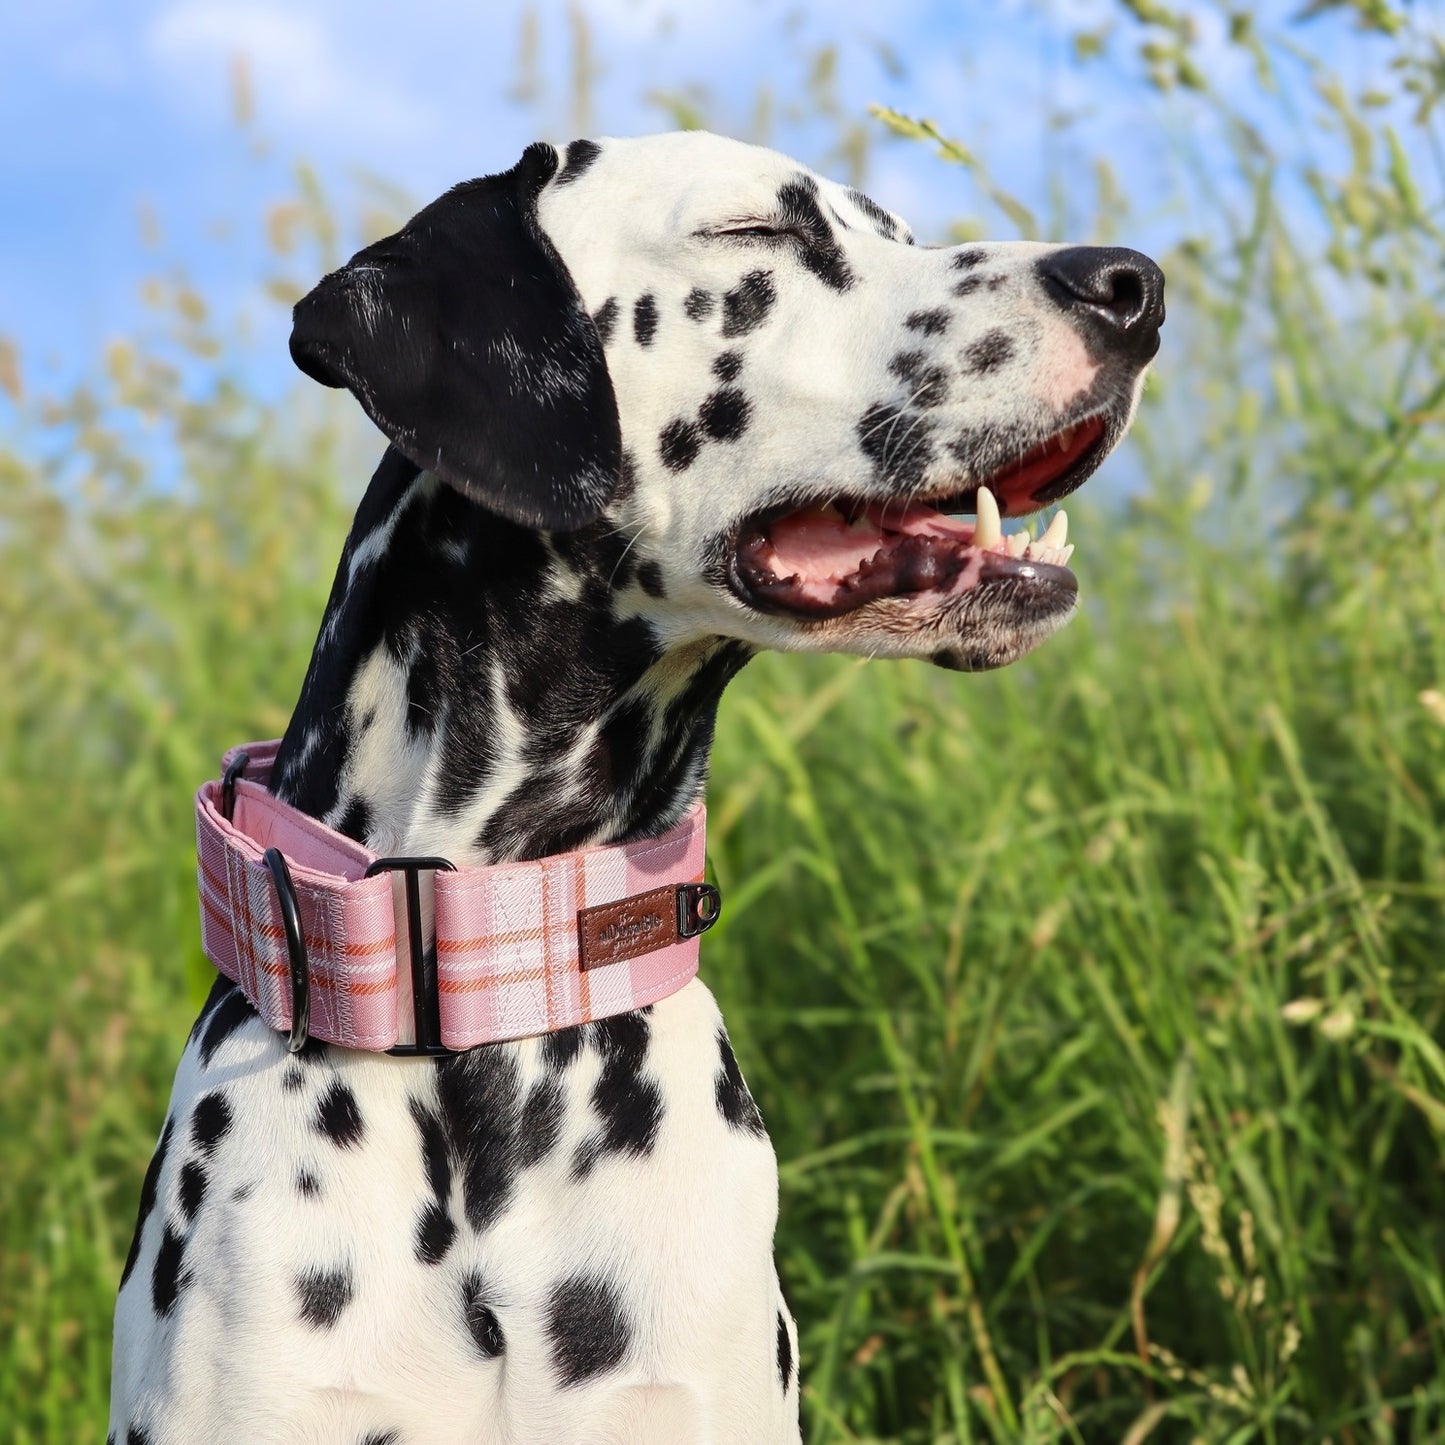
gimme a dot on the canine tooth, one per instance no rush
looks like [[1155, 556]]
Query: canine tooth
[[989, 527], [1058, 531]]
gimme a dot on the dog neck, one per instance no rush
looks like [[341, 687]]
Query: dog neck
[[489, 693]]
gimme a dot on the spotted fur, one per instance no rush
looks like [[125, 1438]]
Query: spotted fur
[[591, 369]]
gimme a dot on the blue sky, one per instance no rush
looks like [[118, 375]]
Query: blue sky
[[110, 107]]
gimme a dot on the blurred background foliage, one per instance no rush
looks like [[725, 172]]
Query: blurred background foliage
[[1094, 1006]]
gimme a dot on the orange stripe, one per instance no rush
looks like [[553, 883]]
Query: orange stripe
[[490, 940], [223, 920], [579, 901], [277, 934], [320, 980], [479, 985]]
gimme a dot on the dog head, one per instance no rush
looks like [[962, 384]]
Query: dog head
[[754, 376]]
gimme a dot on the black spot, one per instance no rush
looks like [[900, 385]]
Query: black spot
[[734, 1102], [626, 478], [628, 1103], [897, 441], [435, 1233], [967, 260], [785, 1354], [928, 385], [423, 683], [211, 1121], [818, 247], [746, 306], [644, 319], [480, 1319], [338, 1117], [994, 282], [136, 1435], [367, 718], [679, 445], [580, 155], [435, 1230], [699, 304], [930, 323], [308, 1185], [587, 1327], [167, 1280], [478, 1094], [192, 1189], [292, 1079], [229, 1014], [147, 1198], [883, 223], [323, 1294], [989, 352], [726, 365], [387, 1437], [649, 577], [725, 414], [541, 1120], [560, 1048], [355, 822], [606, 318], [585, 1155], [968, 286], [435, 1152]]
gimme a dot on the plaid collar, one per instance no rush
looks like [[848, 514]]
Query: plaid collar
[[306, 921]]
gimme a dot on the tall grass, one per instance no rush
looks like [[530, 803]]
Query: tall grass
[[1094, 1006]]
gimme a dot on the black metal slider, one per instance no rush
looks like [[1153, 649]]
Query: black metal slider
[[300, 967], [425, 1000]]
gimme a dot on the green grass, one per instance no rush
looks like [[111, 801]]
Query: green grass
[[1094, 1006]]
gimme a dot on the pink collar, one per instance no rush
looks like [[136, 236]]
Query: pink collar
[[305, 920]]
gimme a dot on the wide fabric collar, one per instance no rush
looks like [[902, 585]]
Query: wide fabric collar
[[306, 921]]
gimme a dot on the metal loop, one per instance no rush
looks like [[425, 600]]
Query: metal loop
[[699, 906], [234, 769], [300, 968]]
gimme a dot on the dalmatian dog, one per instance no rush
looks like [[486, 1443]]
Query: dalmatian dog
[[653, 404]]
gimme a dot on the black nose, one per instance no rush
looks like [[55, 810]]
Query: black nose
[[1117, 293]]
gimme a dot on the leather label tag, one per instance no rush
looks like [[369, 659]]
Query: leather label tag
[[611, 932]]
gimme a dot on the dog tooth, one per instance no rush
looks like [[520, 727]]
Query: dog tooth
[[1058, 531], [1065, 553], [988, 528]]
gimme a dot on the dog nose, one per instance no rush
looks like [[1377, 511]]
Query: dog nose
[[1118, 293]]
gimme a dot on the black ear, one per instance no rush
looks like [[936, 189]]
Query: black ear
[[465, 340]]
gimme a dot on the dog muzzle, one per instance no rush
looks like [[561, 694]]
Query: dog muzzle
[[306, 921]]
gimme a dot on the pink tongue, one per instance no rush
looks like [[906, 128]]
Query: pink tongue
[[820, 545]]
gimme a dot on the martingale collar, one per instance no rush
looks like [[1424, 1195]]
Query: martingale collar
[[305, 920]]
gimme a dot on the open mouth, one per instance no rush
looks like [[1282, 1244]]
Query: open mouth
[[826, 560]]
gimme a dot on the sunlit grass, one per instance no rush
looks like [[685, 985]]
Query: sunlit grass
[[1094, 1006]]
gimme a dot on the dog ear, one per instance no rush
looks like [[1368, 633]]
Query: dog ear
[[466, 342]]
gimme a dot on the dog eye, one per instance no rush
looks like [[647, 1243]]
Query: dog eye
[[760, 229]]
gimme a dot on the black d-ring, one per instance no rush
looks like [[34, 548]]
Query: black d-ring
[[234, 769], [699, 906], [300, 970]]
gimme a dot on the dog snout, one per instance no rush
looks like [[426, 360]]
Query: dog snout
[[1118, 294]]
